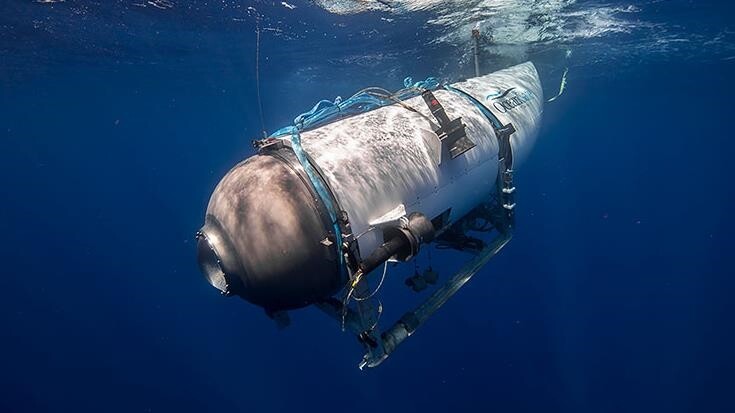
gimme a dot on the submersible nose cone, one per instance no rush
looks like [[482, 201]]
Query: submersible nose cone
[[263, 234]]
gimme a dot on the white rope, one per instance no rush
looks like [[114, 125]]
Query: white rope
[[380, 284], [563, 84]]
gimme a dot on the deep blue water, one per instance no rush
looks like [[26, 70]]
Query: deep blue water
[[117, 121]]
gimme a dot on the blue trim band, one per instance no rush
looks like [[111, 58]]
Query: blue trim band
[[485, 111]]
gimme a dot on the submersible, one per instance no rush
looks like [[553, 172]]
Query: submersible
[[311, 217]]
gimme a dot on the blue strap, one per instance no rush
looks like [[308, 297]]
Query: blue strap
[[321, 190]]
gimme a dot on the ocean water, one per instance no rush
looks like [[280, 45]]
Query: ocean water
[[118, 118]]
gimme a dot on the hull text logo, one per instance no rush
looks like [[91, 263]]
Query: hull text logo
[[510, 99]]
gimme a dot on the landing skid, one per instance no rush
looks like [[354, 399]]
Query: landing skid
[[380, 344]]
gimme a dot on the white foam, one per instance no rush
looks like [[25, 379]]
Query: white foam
[[510, 22]]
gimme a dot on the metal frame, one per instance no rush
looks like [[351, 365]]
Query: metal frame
[[381, 344]]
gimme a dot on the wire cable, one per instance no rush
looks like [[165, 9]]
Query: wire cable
[[257, 74], [375, 291]]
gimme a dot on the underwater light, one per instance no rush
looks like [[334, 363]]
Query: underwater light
[[374, 178]]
